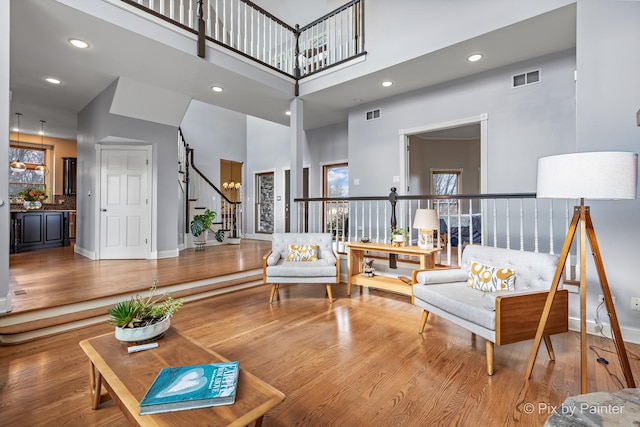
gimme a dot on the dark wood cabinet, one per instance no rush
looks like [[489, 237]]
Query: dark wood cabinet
[[69, 166], [38, 230]]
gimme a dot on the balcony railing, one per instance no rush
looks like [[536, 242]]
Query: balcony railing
[[253, 32], [513, 221]]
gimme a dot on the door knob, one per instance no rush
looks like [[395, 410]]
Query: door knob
[[103, 210]]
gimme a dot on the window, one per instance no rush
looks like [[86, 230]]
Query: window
[[31, 157], [264, 202], [336, 184], [446, 183]]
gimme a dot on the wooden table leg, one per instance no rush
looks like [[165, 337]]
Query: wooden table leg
[[95, 379], [96, 385]]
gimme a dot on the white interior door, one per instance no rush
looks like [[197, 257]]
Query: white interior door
[[124, 204]]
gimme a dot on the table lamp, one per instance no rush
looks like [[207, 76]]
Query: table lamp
[[426, 221], [595, 175]]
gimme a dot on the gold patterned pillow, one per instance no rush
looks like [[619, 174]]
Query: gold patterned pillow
[[302, 253], [490, 279]]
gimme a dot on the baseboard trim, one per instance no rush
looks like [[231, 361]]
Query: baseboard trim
[[172, 253], [84, 252], [5, 304], [629, 334]]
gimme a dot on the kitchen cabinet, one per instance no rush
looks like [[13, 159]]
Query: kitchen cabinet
[[69, 177], [38, 230]]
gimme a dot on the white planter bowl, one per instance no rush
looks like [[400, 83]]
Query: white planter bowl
[[145, 333]]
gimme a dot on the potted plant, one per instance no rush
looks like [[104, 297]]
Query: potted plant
[[142, 319], [33, 197], [398, 236], [201, 223]]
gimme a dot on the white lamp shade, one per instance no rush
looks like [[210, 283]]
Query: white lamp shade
[[426, 219], [595, 175]]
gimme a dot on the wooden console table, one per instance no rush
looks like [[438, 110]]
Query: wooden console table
[[356, 252], [126, 377]]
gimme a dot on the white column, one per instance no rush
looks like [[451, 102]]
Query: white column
[[296, 145]]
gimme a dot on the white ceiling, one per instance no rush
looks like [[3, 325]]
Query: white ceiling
[[40, 30]]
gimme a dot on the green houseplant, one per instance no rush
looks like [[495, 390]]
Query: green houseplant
[[398, 236], [201, 223], [143, 318]]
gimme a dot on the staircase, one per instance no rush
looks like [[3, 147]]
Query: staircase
[[200, 194]]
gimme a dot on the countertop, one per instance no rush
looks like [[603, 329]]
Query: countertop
[[60, 203]]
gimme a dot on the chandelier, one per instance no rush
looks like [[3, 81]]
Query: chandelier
[[18, 165], [41, 169], [230, 184]]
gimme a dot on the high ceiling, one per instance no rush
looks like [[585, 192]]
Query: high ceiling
[[39, 49]]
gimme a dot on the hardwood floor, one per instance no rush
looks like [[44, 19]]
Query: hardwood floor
[[56, 277], [359, 361], [55, 289]]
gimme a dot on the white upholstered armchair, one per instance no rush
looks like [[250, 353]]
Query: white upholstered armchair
[[301, 258]]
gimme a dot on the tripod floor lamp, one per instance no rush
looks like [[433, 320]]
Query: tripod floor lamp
[[599, 175]]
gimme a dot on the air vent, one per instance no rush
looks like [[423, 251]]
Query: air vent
[[527, 78], [373, 114]]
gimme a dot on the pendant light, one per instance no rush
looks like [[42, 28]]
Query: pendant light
[[41, 169], [17, 165]]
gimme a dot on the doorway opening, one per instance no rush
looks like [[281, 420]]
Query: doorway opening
[[433, 154]]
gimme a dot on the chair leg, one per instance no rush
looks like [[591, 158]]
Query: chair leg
[[489, 357], [329, 293], [423, 321], [547, 343], [273, 292]]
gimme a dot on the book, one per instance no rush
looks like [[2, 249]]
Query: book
[[191, 387]]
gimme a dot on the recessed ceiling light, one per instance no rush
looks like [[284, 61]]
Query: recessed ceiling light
[[475, 57], [288, 113], [217, 88], [386, 83], [80, 44], [53, 80]]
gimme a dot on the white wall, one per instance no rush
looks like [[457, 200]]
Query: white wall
[[326, 145], [425, 155], [394, 35], [267, 151], [5, 298], [215, 133], [608, 97], [97, 126], [523, 124]]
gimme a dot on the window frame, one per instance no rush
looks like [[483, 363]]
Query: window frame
[[341, 225]]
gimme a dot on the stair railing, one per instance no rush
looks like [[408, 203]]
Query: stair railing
[[201, 190]]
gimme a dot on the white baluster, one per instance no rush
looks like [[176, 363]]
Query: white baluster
[[495, 223], [508, 225], [535, 226], [521, 226]]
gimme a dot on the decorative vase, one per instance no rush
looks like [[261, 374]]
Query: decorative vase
[[145, 333], [398, 240], [32, 204], [200, 241]]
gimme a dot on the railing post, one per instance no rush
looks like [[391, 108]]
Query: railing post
[[187, 151], [296, 59], [393, 199], [201, 30]]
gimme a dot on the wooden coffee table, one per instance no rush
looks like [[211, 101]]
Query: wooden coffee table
[[126, 377]]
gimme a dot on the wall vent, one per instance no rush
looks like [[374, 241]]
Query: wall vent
[[373, 114], [527, 78]]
